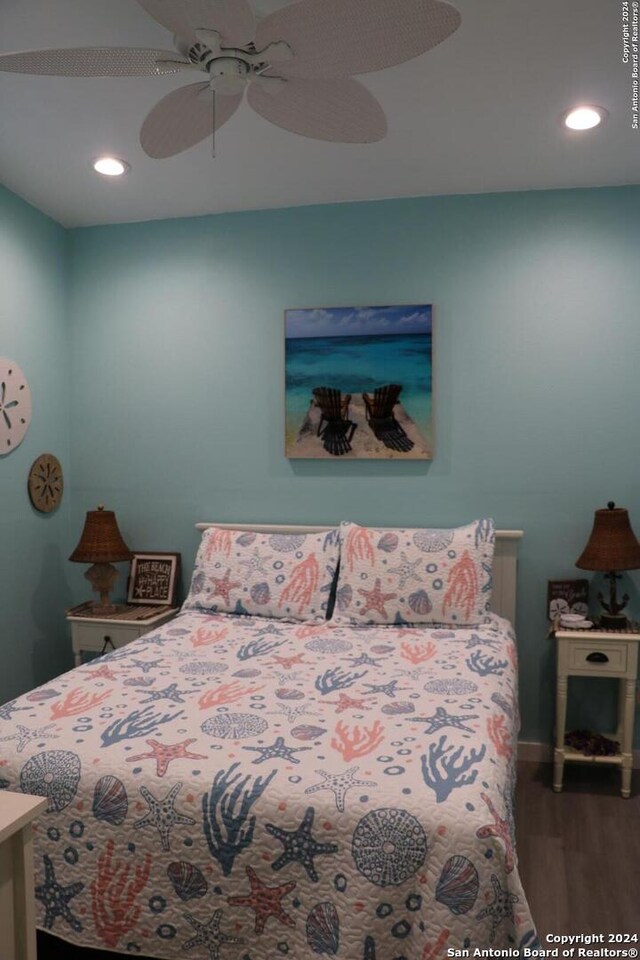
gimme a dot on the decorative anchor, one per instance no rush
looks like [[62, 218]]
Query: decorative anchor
[[614, 608]]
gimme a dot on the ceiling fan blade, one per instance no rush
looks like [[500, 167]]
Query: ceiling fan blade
[[182, 119], [338, 38], [93, 62], [342, 110], [233, 19]]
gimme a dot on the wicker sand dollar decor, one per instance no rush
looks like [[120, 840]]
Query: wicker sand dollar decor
[[46, 483]]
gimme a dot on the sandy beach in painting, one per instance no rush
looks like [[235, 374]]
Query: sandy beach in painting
[[305, 443]]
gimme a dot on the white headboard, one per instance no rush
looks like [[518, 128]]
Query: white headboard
[[505, 560]]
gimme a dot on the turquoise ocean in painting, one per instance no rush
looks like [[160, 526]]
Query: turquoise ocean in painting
[[356, 364]]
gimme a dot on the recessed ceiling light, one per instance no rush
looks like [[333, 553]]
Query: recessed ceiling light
[[110, 166], [584, 118]]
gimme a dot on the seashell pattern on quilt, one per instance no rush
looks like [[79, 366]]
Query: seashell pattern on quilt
[[288, 576], [328, 791], [415, 576]]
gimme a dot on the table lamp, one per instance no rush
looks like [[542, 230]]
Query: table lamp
[[101, 544], [612, 546]]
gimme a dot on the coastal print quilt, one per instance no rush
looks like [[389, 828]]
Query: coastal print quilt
[[230, 788]]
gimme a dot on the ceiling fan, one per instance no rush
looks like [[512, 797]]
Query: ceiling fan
[[296, 64]]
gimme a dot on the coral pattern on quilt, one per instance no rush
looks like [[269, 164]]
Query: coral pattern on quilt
[[416, 575], [289, 576], [233, 788]]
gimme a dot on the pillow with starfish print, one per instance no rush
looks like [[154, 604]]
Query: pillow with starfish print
[[284, 576], [414, 576]]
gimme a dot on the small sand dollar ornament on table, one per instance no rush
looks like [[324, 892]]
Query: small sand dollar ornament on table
[[15, 406], [46, 483]]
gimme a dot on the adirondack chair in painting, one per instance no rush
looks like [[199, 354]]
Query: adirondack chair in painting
[[335, 428], [379, 413]]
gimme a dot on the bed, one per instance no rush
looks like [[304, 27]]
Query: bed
[[248, 788]]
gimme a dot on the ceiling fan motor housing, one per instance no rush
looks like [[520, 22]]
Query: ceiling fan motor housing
[[229, 68], [228, 74]]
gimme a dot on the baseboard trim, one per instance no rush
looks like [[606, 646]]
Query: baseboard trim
[[543, 753]]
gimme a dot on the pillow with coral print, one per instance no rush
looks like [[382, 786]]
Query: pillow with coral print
[[415, 575], [288, 576]]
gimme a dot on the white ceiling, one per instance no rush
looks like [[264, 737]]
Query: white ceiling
[[478, 113]]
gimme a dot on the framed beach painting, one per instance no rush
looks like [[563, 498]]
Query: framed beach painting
[[358, 383]]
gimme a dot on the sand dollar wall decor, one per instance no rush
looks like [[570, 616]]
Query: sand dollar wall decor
[[15, 406], [46, 483]]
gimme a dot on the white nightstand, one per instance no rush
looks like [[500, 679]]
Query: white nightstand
[[593, 653], [102, 634], [17, 902]]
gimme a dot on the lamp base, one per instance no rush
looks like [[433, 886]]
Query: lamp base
[[613, 621], [102, 577], [104, 609]]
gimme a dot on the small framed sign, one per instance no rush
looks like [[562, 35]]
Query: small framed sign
[[154, 578], [567, 596]]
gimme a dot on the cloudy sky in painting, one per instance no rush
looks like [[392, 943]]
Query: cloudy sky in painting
[[358, 321]]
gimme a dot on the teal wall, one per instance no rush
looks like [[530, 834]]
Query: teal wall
[[34, 333], [177, 388], [175, 344]]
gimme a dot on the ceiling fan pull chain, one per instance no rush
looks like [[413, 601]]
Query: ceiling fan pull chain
[[213, 139]]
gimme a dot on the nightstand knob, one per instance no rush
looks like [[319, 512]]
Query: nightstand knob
[[598, 658]]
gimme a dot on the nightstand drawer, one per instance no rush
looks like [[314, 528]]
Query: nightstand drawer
[[89, 636], [589, 657], [102, 635]]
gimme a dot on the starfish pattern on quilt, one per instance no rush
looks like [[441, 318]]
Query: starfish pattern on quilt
[[203, 872], [345, 702], [146, 665], [25, 735], [104, 672], [339, 784], [499, 828], [500, 908], [55, 898], [168, 693], [293, 712], [277, 751], [375, 599], [287, 662], [255, 563], [8, 708], [300, 846], [265, 901], [389, 689], [222, 586], [209, 935], [442, 719], [165, 753], [363, 660], [406, 570], [163, 814]]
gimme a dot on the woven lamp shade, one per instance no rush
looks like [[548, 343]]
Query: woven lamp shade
[[101, 541], [612, 545]]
